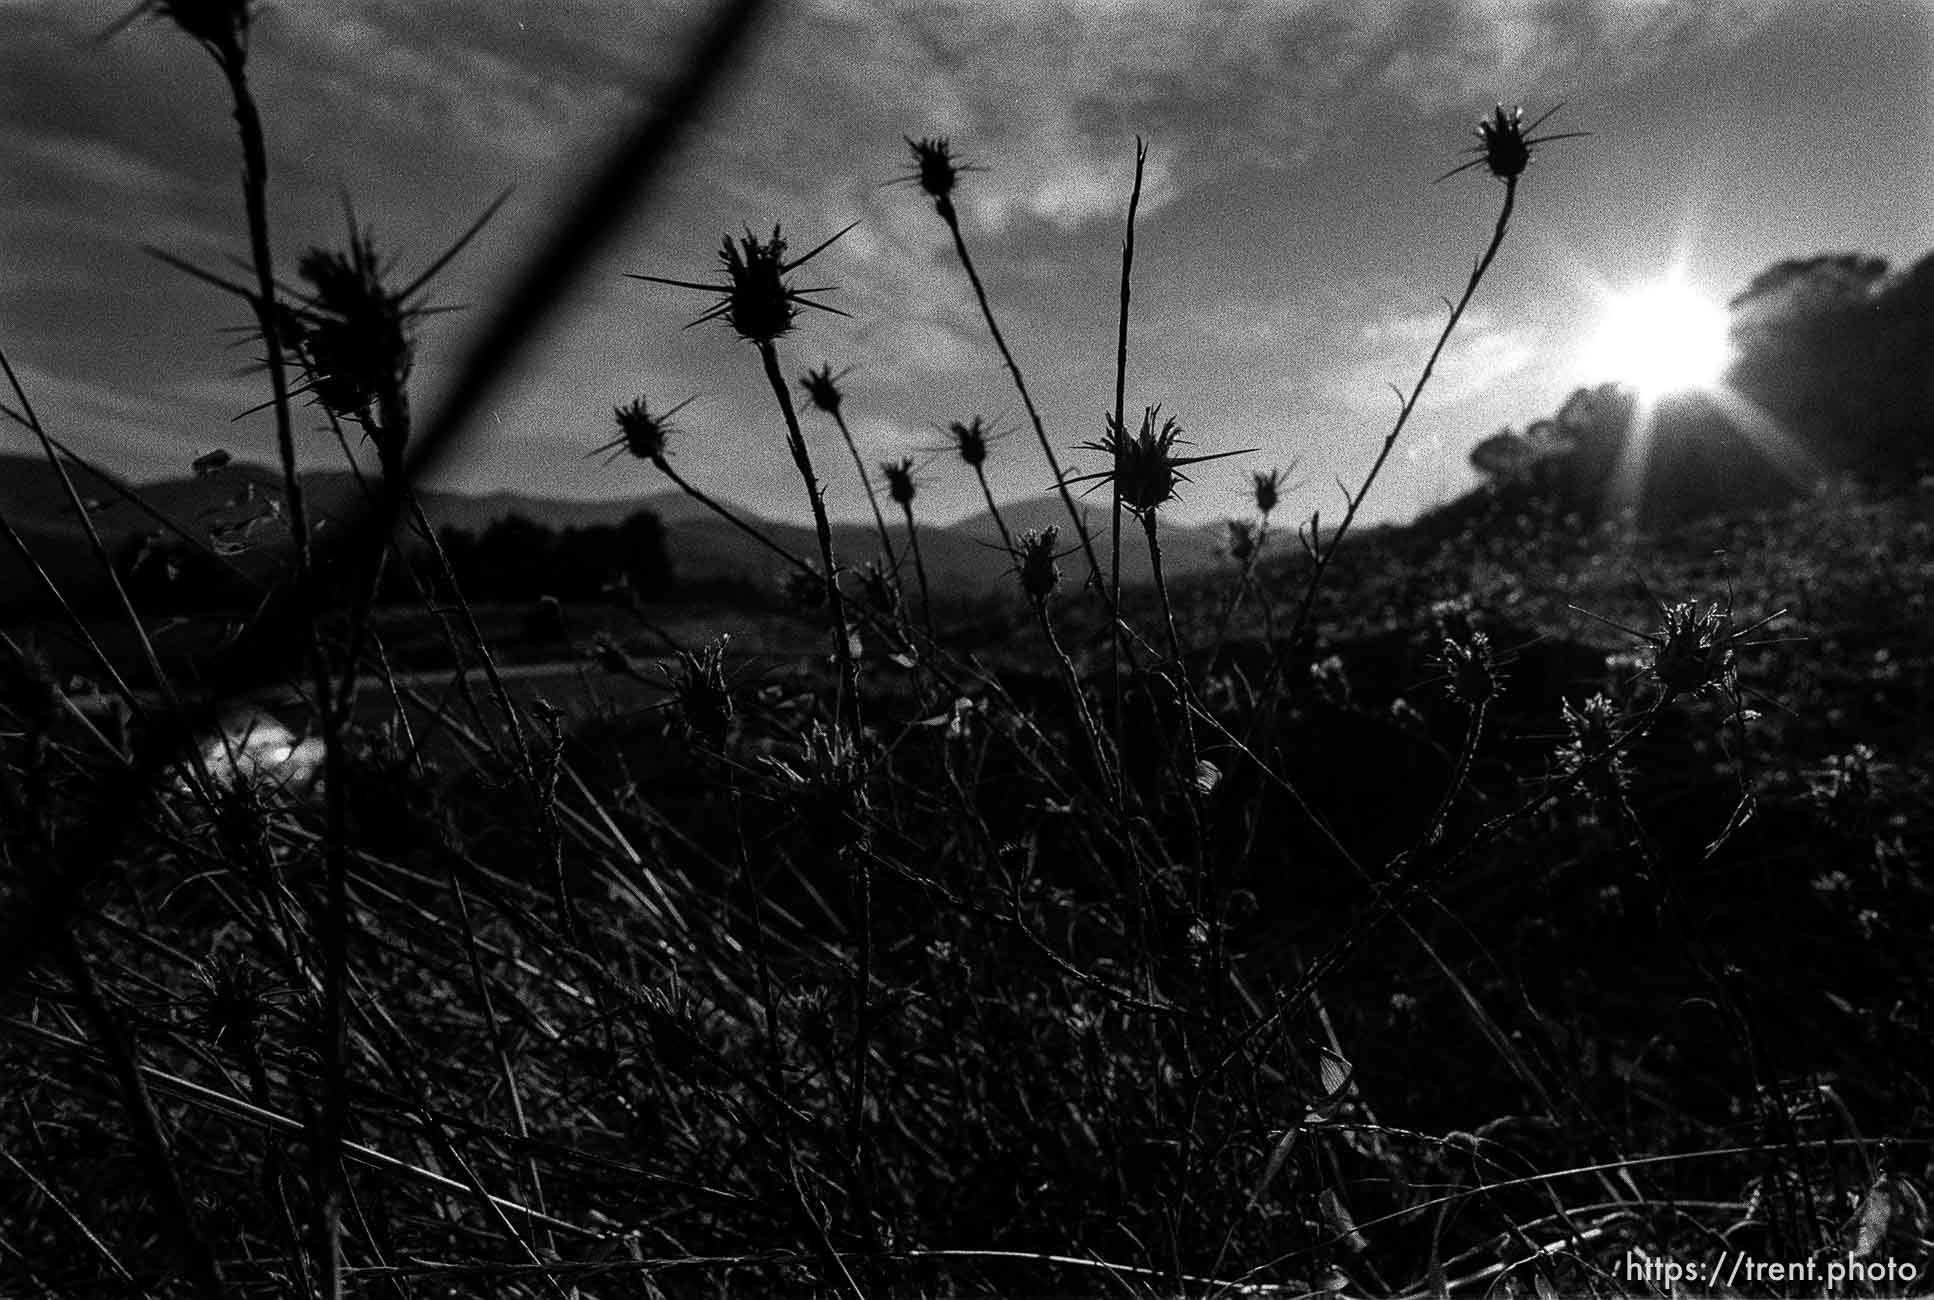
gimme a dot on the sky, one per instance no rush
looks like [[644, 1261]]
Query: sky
[[1292, 250]]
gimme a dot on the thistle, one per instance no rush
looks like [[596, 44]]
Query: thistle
[[822, 388], [755, 299], [1504, 143], [900, 484], [1146, 469], [1692, 650], [641, 432], [1268, 486], [935, 169], [700, 695], [1036, 563], [970, 440]]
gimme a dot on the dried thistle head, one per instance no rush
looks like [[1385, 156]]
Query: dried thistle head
[[641, 431], [899, 479], [804, 588], [700, 693], [1239, 539], [1693, 650], [1040, 575], [1146, 470], [1268, 486], [1504, 143], [232, 1000], [755, 299], [970, 440], [1473, 670], [1591, 745], [826, 788], [935, 169], [352, 333], [822, 388]]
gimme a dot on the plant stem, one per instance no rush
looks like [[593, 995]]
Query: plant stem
[[1325, 553], [1114, 479], [872, 497], [1007, 538], [945, 207], [847, 706], [920, 568]]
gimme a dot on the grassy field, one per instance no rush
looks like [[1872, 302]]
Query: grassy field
[[1510, 903]]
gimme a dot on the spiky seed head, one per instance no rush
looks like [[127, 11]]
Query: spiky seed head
[[822, 388], [1591, 744], [700, 693], [1692, 650], [1506, 150], [1040, 575], [1240, 540], [899, 479], [761, 307], [970, 440], [936, 170], [1504, 143], [1268, 486], [641, 432], [231, 1002], [1472, 667], [354, 339], [826, 788]]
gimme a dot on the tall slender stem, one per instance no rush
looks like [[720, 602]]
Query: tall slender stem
[[1114, 482], [872, 496], [920, 568], [848, 704], [945, 207], [1007, 538]]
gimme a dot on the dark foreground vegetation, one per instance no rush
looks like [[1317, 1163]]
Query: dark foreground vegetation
[[1521, 902]]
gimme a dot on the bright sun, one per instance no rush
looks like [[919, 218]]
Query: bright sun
[[1660, 338]]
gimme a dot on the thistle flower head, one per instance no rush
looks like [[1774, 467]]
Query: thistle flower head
[[232, 1000], [1591, 737], [970, 440], [899, 479], [642, 432], [700, 694], [826, 788], [935, 169], [822, 388], [755, 299], [1239, 539], [352, 333], [1040, 575], [1504, 143], [1693, 650], [1473, 668], [1269, 487], [1146, 469]]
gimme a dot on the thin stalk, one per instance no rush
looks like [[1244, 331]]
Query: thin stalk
[[1326, 552], [945, 207], [847, 706], [920, 568], [1107, 775], [1151, 527], [329, 1135], [164, 1178], [1114, 482], [872, 496], [1007, 538]]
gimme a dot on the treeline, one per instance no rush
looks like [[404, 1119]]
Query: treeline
[[515, 559], [1832, 378]]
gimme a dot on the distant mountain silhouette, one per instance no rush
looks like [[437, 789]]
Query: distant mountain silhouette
[[964, 560]]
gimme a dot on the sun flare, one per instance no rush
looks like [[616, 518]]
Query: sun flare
[[1662, 337]]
